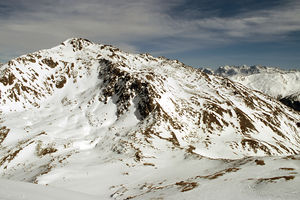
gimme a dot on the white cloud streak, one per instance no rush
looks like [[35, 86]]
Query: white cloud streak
[[133, 23]]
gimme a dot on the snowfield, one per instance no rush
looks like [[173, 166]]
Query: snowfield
[[183, 178], [16, 190], [87, 121]]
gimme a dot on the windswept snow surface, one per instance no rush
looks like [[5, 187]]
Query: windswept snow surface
[[16, 190], [93, 119], [176, 178]]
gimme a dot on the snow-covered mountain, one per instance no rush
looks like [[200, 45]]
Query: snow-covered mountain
[[248, 70], [97, 120], [283, 85], [269, 80]]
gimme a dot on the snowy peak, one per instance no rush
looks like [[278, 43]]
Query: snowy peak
[[79, 109], [77, 43], [83, 98], [92, 118], [31, 79]]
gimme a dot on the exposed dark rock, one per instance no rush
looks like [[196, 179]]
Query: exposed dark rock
[[61, 82], [126, 87], [291, 103], [49, 62]]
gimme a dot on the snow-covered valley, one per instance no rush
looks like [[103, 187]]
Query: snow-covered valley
[[106, 124]]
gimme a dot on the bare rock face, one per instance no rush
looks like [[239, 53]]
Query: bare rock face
[[293, 101], [80, 95]]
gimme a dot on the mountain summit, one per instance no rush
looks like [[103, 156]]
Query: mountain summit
[[95, 104]]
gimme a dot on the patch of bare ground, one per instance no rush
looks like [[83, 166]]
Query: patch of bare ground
[[148, 164], [254, 145], [186, 186], [50, 62], [42, 151], [8, 78], [287, 169], [191, 149], [149, 187], [60, 83], [210, 119], [246, 124], [219, 174], [292, 157], [10, 156], [45, 151], [274, 179], [3, 133], [12, 153], [259, 162]]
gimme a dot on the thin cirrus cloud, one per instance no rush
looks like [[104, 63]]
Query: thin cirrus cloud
[[160, 27]]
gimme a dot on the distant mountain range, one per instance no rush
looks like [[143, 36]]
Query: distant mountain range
[[283, 85], [94, 119]]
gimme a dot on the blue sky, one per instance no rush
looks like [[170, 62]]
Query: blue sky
[[200, 33]]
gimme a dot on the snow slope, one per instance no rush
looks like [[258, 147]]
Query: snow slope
[[249, 178], [94, 119], [15, 190]]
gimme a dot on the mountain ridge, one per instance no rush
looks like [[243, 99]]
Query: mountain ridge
[[83, 106], [135, 82], [278, 83]]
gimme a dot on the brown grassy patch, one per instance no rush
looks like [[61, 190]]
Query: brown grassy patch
[[61, 82], [46, 151], [220, 173], [287, 169], [149, 77], [274, 179], [292, 157], [255, 145], [138, 156], [10, 156], [186, 186], [191, 149], [245, 123], [8, 79], [209, 119], [260, 162], [216, 108], [49, 62], [148, 164], [3, 133]]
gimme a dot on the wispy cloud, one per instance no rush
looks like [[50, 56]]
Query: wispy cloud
[[134, 24]]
